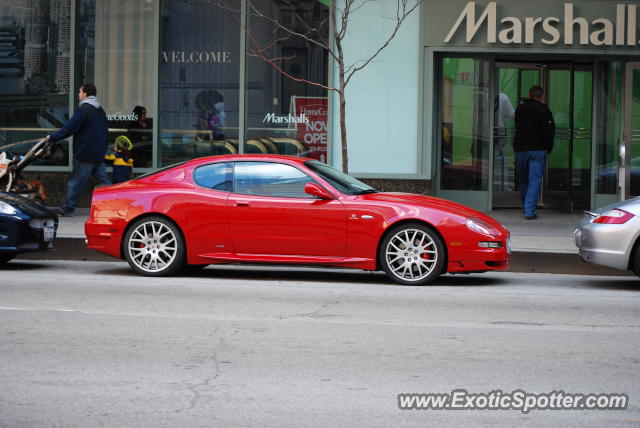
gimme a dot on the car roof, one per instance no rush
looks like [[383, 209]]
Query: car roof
[[247, 157]]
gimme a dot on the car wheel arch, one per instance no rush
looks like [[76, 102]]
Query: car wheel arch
[[632, 254], [392, 226], [131, 222]]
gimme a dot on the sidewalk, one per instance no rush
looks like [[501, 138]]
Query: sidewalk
[[542, 245]]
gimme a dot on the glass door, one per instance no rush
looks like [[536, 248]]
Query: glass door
[[608, 81], [569, 95], [464, 150], [512, 83], [631, 132]]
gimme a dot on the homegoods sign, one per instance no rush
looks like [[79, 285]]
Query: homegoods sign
[[567, 29]]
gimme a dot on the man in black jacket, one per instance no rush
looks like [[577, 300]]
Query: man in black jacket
[[533, 140], [89, 127]]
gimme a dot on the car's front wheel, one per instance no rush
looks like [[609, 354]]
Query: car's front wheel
[[412, 254], [153, 246]]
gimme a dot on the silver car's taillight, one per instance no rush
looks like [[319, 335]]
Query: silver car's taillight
[[614, 216]]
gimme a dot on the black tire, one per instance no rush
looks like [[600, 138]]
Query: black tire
[[153, 246], [412, 254], [636, 262], [4, 258]]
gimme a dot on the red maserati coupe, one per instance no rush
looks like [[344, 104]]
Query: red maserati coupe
[[282, 209]]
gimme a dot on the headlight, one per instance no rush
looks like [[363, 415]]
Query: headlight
[[480, 226], [5, 208]]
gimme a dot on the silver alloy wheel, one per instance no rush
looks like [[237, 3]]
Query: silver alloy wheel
[[152, 246], [411, 255]]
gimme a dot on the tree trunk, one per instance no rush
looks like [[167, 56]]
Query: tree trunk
[[343, 132], [343, 103]]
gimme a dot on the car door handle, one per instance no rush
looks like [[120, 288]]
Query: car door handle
[[242, 204]]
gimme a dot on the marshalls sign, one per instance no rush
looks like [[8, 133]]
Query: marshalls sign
[[522, 23]]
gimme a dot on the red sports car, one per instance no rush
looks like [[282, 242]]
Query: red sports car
[[283, 209]]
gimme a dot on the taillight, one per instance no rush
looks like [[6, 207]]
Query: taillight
[[614, 216]]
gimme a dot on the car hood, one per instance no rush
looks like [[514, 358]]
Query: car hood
[[25, 205], [432, 202]]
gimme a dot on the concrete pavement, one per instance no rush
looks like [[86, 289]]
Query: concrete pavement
[[93, 344], [542, 245]]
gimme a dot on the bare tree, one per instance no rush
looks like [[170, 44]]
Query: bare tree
[[337, 24]]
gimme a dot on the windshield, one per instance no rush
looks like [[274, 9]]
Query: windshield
[[341, 181]]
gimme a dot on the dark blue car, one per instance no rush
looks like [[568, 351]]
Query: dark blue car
[[24, 226]]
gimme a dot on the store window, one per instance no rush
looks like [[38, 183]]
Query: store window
[[34, 74], [464, 150], [115, 50], [199, 79], [287, 113]]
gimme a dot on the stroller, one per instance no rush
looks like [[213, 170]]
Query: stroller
[[11, 168]]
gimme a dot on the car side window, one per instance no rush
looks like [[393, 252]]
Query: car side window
[[215, 176], [270, 179]]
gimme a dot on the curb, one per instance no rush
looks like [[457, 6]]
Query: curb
[[521, 261]]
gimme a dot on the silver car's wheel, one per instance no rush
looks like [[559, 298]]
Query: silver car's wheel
[[412, 254], [154, 247], [636, 262]]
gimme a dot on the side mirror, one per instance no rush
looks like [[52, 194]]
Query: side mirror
[[317, 191]]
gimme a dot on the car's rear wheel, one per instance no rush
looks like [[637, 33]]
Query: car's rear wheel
[[412, 254], [636, 262], [154, 246], [6, 257]]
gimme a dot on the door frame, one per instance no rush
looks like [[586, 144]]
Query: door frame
[[512, 198], [624, 176], [477, 199], [545, 67], [574, 66]]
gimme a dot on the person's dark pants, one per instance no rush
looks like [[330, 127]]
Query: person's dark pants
[[530, 171], [82, 170]]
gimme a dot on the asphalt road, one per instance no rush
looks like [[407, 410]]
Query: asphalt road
[[91, 344]]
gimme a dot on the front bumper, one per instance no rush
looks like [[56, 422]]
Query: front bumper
[[19, 234], [478, 259]]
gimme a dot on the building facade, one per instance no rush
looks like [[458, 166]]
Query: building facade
[[431, 114]]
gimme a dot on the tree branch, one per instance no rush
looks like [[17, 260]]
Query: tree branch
[[400, 17]]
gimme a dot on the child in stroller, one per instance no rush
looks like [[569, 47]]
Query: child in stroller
[[12, 166]]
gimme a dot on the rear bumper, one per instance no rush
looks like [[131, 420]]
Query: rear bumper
[[604, 244], [103, 238]]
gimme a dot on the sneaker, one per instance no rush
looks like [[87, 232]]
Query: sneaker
[[63, 213], [531, 217]]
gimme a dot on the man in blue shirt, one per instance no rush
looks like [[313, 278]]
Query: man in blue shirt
[[89, 127]]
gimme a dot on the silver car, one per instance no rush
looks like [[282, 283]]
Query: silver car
[[609, 236]]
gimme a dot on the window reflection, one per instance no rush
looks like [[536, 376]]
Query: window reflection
[[125, 76], [465, 128], [35, 53], [270, 179], [199, 79], [287, 114]]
